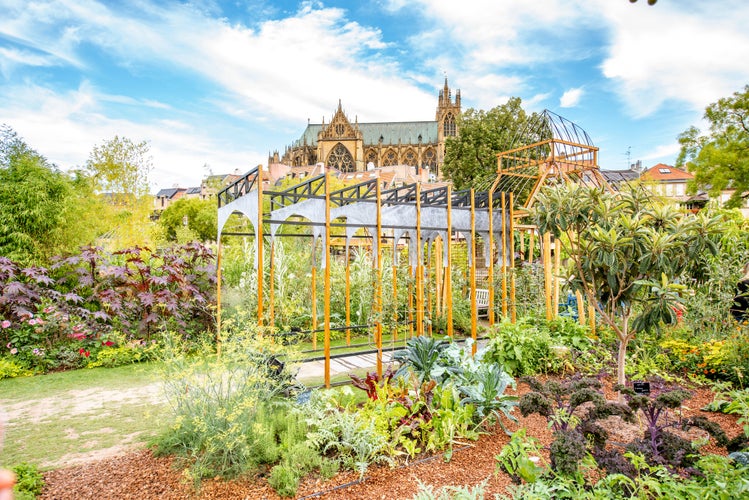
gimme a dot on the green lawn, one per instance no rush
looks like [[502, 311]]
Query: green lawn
[[63, 418], [55, 419]]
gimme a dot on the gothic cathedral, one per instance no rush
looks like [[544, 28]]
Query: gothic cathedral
[[355, 147]]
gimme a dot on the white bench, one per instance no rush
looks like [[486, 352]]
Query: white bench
[[482, 302]]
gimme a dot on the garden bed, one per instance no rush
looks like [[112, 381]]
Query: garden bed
[[141, 475]]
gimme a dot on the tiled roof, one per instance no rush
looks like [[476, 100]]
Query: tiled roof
[[616, 176], [665, 173], [169, 193], [391, 133], [194, 190]]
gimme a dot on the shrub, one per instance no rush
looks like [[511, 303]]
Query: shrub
[[29, 481], [10, 368]]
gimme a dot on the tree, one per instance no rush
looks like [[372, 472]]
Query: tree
[[201, 217], [471, 157], [34, 202], [119, 171], [121, 167], [627, 253], [720, 160]]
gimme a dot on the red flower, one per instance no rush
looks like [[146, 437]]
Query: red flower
[[108, 343], [84, 352]]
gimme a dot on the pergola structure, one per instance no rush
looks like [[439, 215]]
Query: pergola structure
[[426, 218]]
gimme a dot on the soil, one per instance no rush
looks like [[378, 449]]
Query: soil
[[139, 474]]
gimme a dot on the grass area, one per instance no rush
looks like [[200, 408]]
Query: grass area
[[61, 418], [52, 420]]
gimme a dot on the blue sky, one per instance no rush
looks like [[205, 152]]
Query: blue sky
[[223, 83]]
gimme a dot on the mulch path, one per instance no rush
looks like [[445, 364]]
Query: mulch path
[[140, 475]]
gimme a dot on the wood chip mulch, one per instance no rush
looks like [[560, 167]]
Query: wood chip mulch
[[140, 475]]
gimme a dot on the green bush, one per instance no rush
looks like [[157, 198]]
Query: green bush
[[10, 368], [29, 481], [522, 348], [225, 419]]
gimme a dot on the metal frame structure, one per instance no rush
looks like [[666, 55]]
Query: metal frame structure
[[427, 218]]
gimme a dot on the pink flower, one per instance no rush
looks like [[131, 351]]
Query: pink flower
[[5, 324], [9, 345], [48, 310], [32, 322], [14, 351]]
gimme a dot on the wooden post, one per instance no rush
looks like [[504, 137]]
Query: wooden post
[[348, 297], [504, 255], [490, 274], [410, 302], [580, 307], [546, 249], [313, 299], [378, 278], [271, 286], [419, 268], [395, 297], [218, 298], [326, 283], [448, 271], [513, 308], [557, 259], [474, 311], [592, 318], [259, 242]]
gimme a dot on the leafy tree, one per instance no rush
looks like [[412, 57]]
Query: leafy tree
[[471, 157], [720, 159], [202, 218], [34, 198], [121, 167], [119, 171], [627, 252]]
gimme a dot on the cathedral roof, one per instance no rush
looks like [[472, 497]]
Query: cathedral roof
[[391, 132]]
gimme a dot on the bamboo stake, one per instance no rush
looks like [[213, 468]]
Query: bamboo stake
[[378, 284], [218, 298], [580, 307], [348, 297], [326, 283], [490, 276], [259, 242], [271, 287], [513, 308], [395, 298], [419, 268], [474, 311], [313, 299], [410, 302], [429, 291], [448, 272], [557, 260], [504, 255], [546, 249]]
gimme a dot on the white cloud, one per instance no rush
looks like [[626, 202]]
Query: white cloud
[[690, 53], [571, 98], [70, 124]]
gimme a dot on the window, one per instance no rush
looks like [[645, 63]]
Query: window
[[340, 158], [449, 125], [664, 170]]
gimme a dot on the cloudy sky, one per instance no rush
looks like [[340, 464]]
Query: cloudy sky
[[217, 85]]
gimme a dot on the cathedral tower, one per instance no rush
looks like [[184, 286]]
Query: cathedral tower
[[447, 118]]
